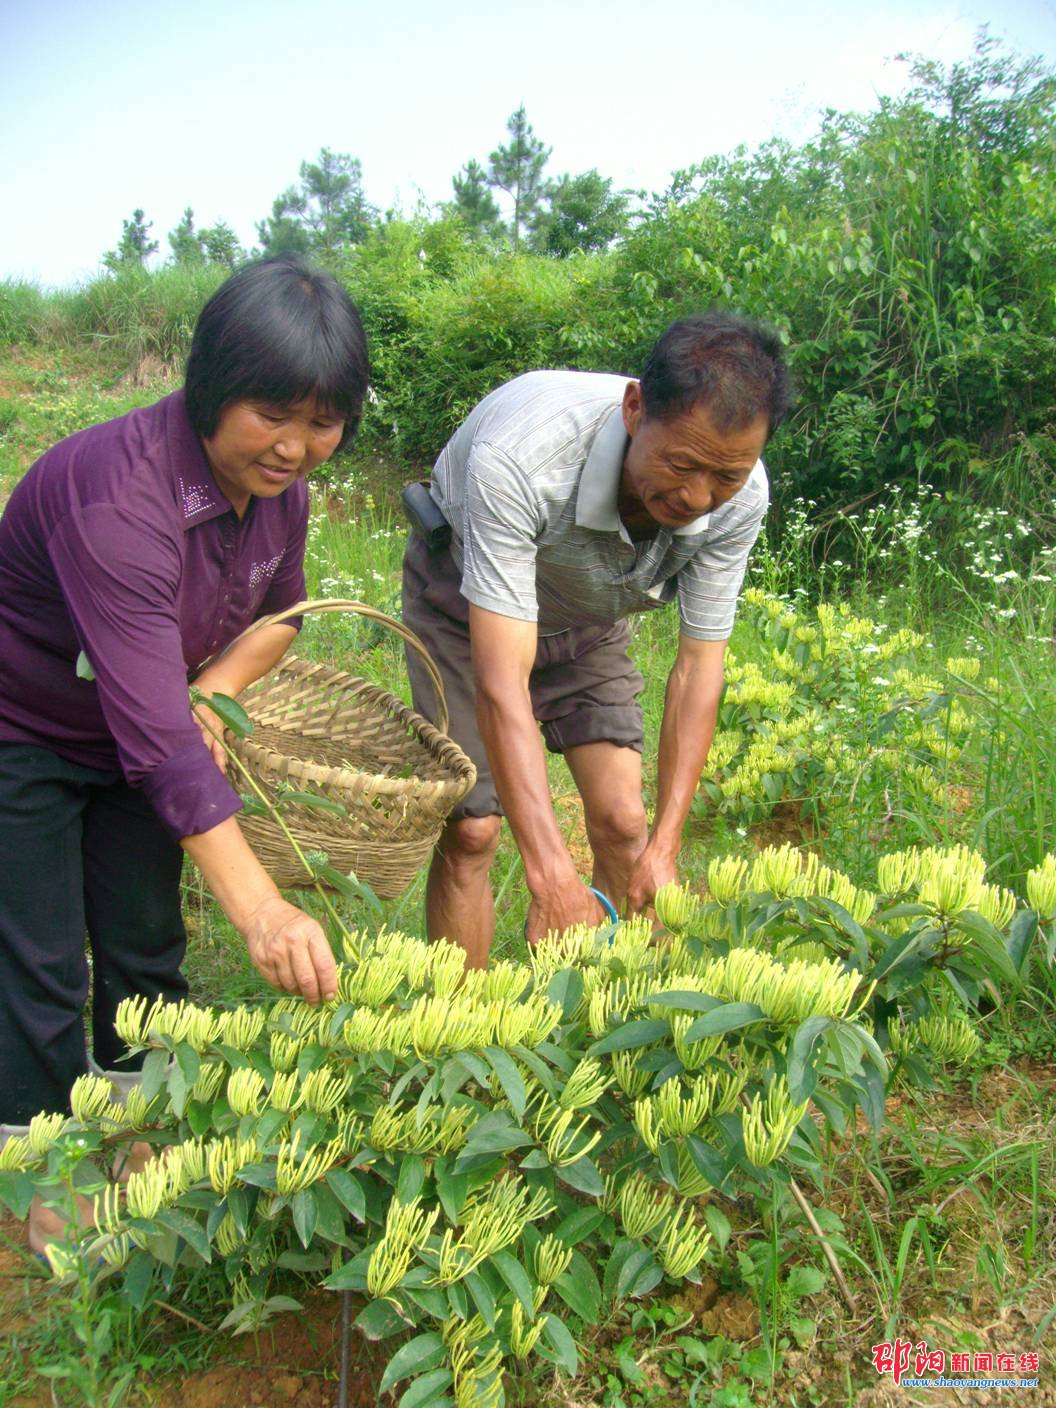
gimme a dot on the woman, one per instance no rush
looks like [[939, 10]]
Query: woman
[[146, 546]]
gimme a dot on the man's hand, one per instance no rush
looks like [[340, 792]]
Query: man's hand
[[560, 909], [290, 950], [653, 869], [207, 720]]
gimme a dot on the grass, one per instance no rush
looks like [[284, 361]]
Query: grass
[[945, 1225]]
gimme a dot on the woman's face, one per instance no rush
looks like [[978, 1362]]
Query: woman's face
[[258, 450]]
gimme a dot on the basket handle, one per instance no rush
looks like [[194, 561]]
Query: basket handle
[[360, 608]]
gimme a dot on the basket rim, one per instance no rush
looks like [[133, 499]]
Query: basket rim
[[336, 778]]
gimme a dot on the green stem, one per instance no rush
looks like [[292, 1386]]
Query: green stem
[[276, 816]]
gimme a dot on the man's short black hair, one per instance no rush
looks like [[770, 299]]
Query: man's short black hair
[[733, 365], [278, 331]]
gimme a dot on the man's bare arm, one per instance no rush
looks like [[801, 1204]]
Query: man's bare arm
[[691, 707], [503, 655]]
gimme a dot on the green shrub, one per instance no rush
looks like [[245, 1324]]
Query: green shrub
[[468, 1150]]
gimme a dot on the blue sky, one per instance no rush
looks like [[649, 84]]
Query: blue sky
[[106, 105]]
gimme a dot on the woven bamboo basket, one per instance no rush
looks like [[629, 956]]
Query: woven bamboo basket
[[318, 729]]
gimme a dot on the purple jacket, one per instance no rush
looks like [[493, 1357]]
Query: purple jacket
[[118, 542]]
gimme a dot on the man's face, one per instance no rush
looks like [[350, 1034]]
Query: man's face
[[676, 470]]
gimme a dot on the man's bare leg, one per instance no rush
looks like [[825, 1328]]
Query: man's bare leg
[[458, 901], [609, 779]]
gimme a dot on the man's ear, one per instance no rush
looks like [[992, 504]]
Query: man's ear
[[633, 407]]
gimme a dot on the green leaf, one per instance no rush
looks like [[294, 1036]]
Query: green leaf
[[352, 1276], [718, 1225], [189, 1062], [84, 667], [561, 1344], [379, 1320], [412, 1178], [630, 1035], [482, 1297], [583, 1176], [358, 891], [802, 1077], [566, 990], [510, 1078], [634, 1272], [870, 1088], [578, 1287], [230, 712], [189, 1228], [428, 1298], [518, 1280], [707, 1161], [1021, 935], [423, 1392], [139, 1276], [579, 1225], [243, 1311], [199, 1117], [452, 1189], [730, 1017], [417, 1356], [305, 1215], [269, 1125], [538, 1068], [804, 1281], [621, 1251], [900, 951], [313, 801], [155, 1069], [16, 1192], [458, 1301], [477, 1068], [987, 945], [495, 1134], [349, 1192], [869, 1048]]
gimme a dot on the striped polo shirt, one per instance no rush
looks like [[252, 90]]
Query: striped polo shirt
[[530, 483]]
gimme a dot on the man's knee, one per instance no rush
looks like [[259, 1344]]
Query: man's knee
[[472, 840], [618, 825]]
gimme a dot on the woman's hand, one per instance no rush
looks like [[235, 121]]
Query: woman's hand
[[212, 727], [290, 950]]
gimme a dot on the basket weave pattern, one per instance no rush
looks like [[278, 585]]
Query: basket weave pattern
[[321, 730]]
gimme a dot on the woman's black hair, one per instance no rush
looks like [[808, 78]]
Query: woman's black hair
[[733, 365], [278, 331]]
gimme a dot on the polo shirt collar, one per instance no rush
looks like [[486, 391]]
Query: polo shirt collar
[[200, 496], [597, 503]]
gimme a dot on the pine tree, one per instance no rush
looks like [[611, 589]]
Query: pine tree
[[335, 207], [220, 245], [473, 201], [326, 212], [135, 245], [517, 169], [284, 231], [185, 242]]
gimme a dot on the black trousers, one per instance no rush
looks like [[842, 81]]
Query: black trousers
[[81, 853]]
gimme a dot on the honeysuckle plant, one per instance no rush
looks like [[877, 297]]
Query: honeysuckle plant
[[492, 1159], [838, 706]]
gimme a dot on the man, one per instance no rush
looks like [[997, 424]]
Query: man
[[575, 499]]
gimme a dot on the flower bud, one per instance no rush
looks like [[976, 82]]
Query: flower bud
[[675, 906], [1041, 889]]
